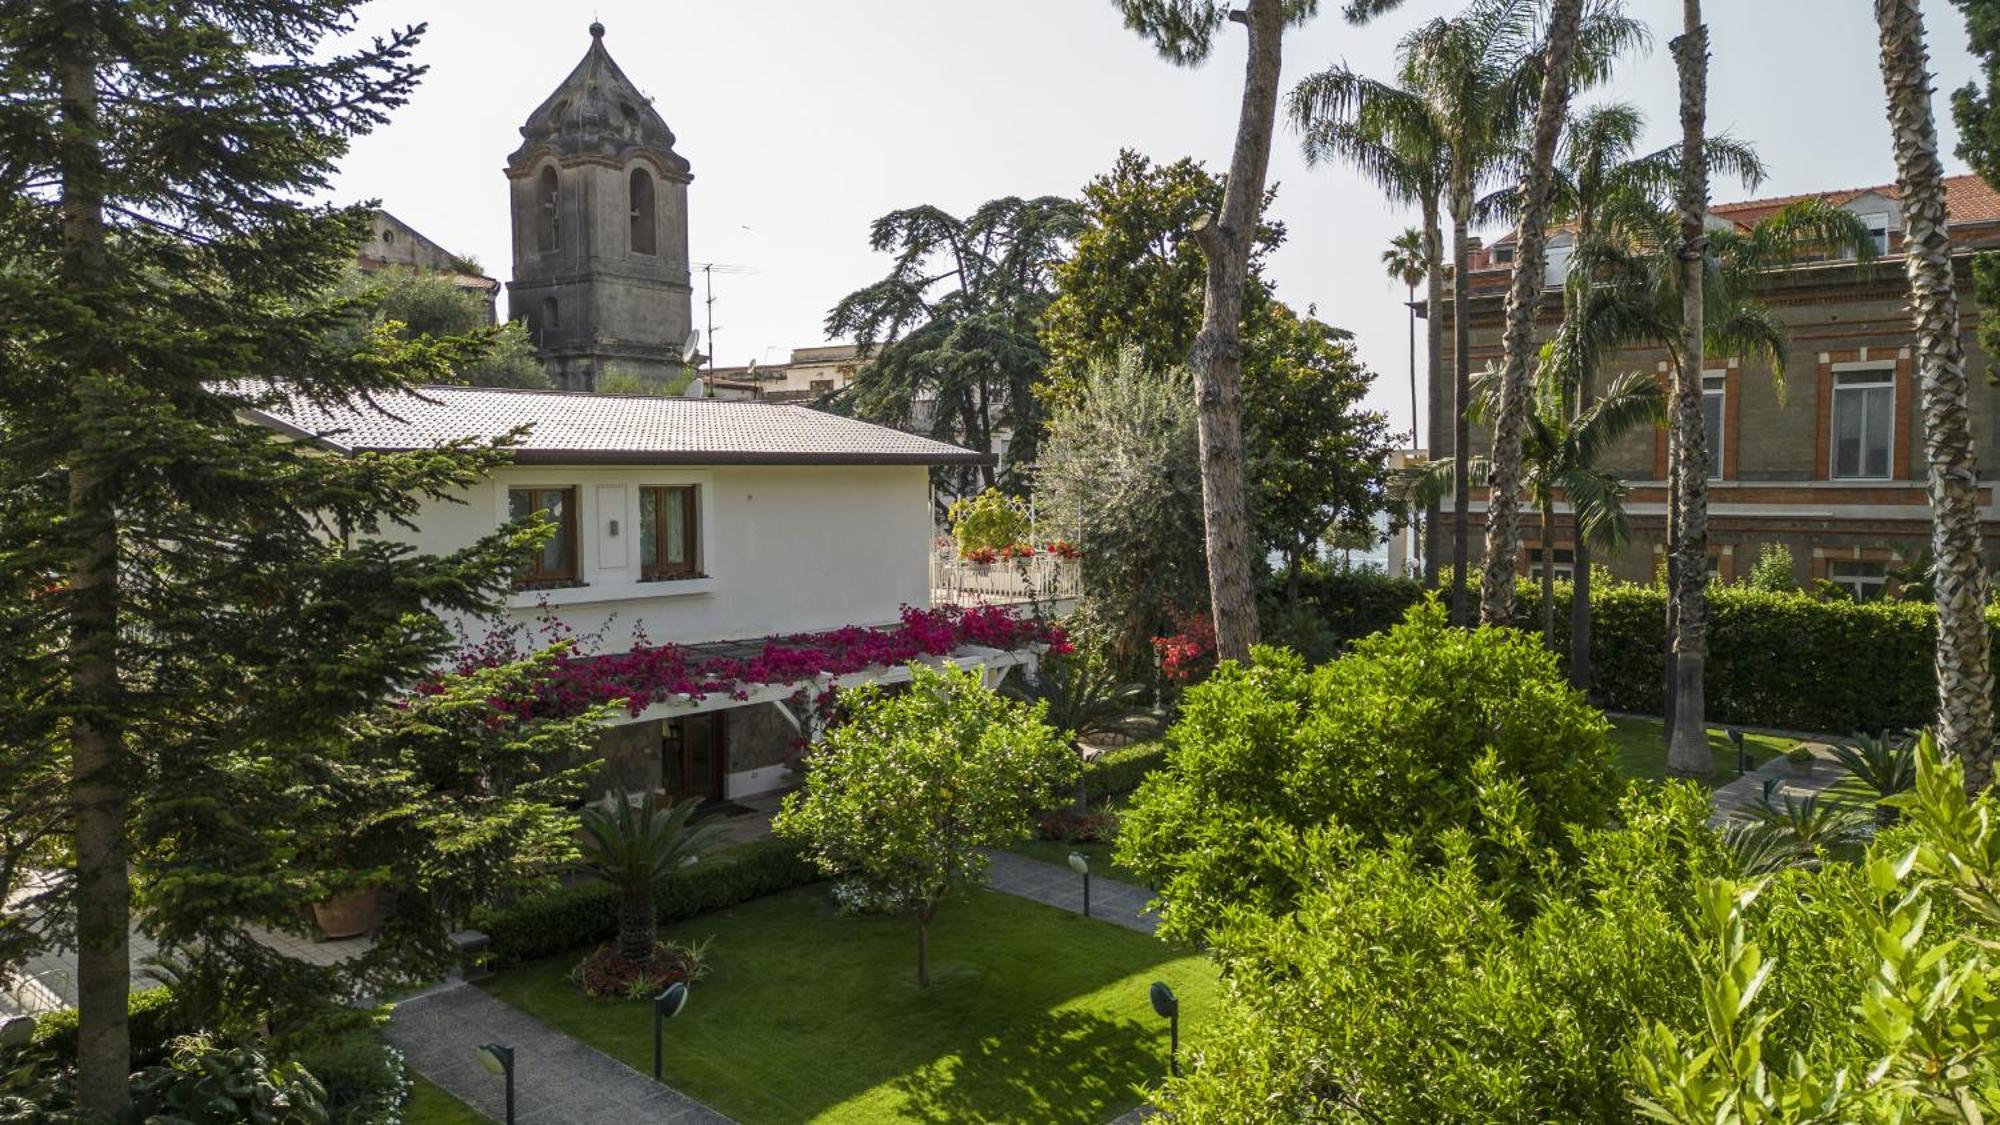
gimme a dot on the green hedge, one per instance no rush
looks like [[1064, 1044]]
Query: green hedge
[[1775, 659], [573, 917], [155, 1018], [1121, 770]]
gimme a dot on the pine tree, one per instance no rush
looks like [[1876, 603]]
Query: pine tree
[[201, 617]]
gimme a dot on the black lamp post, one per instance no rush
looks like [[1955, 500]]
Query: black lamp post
[[500, 1060], [1169, 1007], [1081, 866], [666, 1006], [1742, 759]]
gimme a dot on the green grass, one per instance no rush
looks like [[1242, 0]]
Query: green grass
[[1033, 1014], [432, 1106], [1640, 746]]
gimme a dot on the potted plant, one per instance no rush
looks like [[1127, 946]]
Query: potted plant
[[982, 559], [353, 914], [1802, 758]]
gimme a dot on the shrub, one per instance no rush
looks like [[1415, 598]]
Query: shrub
[[365, 1080], [573, 917], [1072, 826], [989, 521], [607, 974], [1384, 741], [202, 1081], [1773, 571], [156, 1020], [1120, 771]]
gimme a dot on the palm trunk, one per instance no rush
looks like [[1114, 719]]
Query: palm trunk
[[638, 925], [1503, 479], [98, 799], [1434, 341], [1688, 753], [1548, 574], [1217, 358], [1964, 656], [1461, 402], [1416, 521]]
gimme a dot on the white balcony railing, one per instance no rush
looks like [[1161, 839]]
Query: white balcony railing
[[1040, 577]]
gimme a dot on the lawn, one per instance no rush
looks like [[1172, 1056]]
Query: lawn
[[1640, 746], [1033, 1014], [432, 1106]]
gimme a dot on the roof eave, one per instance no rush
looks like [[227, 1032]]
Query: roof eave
[[730, 457]]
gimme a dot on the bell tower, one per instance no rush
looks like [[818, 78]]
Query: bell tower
[[600, 230]]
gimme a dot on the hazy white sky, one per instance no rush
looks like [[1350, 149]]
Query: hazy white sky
[[806, 119]]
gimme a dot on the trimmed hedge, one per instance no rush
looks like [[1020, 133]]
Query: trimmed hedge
[[1121, 770], [155, 1018], [571, 918], [1775, 658]]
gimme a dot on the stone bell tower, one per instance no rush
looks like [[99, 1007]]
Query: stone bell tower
[[600, 230]]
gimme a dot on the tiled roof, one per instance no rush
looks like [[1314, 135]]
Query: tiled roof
[[1967, 199], [610, 429]]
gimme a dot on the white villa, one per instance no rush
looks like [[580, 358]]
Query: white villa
[[705, 524]]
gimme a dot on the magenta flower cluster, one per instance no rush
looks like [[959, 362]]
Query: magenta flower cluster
[[649, 673]]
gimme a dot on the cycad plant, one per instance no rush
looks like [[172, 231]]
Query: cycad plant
[[630, 843], [1085, 699], [1886, 765]]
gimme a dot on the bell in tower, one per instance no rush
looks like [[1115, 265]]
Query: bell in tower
[[600, 230]]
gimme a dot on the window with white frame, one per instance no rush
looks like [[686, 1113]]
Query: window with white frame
[[1562, 562], [1557, 269], [1714, 384], [1864, 412], [1863, 581], [1878, 229]]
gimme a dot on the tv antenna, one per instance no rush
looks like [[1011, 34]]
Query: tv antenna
[[708, 272]]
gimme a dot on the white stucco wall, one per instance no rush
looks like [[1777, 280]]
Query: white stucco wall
[[786, 549]]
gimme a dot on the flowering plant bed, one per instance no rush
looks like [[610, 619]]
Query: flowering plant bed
[[605, 975], [654, 673]]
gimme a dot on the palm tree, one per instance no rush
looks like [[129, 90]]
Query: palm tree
[[1560, 451], [1085, 699], [1687, 468], [1496, 589], [1409, 161], [1964, 656], [630, 845], [1595, 165]]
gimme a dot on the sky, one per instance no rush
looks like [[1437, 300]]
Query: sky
[[807, 119]]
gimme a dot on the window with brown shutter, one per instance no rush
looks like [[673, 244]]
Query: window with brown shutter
[[555, 563], [669, 532]]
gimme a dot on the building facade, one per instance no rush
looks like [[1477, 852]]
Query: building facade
[[600, 230], [1825, 457], [393, 244]]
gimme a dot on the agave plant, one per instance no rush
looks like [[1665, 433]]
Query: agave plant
[[1757, 849], [1085, 699], [1809, 825], [1886, 765], [630, 843]]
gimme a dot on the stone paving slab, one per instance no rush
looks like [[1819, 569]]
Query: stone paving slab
[[557, 1080], [1734, 800], [1118, 903]]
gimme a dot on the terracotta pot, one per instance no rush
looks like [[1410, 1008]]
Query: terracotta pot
[[350, 915]]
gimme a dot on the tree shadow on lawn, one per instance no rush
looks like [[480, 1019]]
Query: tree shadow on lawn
[[1066, 1066]]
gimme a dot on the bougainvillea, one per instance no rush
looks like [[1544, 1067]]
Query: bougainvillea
[[1189, 654], [649, 673]]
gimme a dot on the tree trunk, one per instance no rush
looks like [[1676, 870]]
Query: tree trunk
[[1688, 753], [1217, 358], [98, 799], [1548, 575], [1503, 478], [1461, 400], [1434, 341], [1964, 656], [923, 948], [1416, 521], [638, 925]]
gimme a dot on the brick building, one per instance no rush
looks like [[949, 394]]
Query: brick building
[[1834, 469]]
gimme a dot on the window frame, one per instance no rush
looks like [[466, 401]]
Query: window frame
[[548, 210], [1884, 380], [651, 498], [534, 577], [644, 219], [1861, 587], [1719, 380]]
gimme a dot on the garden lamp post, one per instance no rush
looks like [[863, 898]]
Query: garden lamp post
[[500, 1060], [666, 1006], [1169, 1007], [1742, 761], [1081, 866]]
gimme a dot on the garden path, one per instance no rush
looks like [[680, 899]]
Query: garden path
[[1733, 801], [557, 1080], [1118, 903]]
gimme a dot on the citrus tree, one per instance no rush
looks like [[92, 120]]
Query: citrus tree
[[900, 799]]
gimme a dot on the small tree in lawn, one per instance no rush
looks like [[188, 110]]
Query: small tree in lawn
[[902, 797], [630, 845]]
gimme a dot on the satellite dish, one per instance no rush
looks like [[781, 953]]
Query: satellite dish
[[692, 347], [751, 371], [696, 389]]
